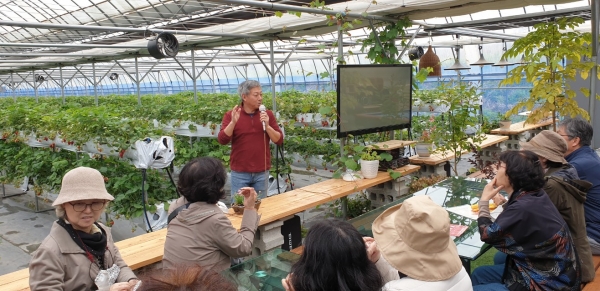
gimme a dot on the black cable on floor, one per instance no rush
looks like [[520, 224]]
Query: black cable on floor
[[144, 200]]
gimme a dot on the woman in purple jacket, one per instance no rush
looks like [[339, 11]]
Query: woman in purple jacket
[[530, 230]]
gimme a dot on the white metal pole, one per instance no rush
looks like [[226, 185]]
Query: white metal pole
[[137, 81], [194, 78], [62, 84], [94, 83]]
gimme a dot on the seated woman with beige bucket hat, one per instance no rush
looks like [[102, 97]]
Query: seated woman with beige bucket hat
[[78, 247], [416, 250]]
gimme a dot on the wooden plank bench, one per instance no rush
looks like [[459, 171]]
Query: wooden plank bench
[[521, 131], [147, 249], [434, 164]]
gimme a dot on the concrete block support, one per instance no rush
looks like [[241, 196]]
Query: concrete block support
[[268, 237], [492, 153], [429, 170], [388, 192]]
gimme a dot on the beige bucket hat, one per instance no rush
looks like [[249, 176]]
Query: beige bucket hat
[[414, 237], [547, 144], [82, 183]]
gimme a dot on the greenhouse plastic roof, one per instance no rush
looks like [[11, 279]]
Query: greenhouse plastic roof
[[223, 23]]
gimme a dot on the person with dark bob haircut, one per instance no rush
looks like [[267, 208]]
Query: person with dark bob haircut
[[530, 231], [200, 233], [334, 258], [184, 278]]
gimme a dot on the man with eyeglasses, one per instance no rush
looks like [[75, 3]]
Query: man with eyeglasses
[[578, 134], [250, 130]]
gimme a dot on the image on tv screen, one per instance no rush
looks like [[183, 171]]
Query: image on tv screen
[[373, 98]]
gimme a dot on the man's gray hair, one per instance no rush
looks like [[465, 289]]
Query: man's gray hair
[[245, 87], [578, 127]]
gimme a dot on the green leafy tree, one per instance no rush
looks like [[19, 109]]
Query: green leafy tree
[[450, 135], [555, 54]]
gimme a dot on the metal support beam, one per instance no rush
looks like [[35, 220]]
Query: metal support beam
[[35, 85], [194, 78], [274, 108], [259, 58], [377, 37], [94, 83], [286, 58], [137, 82], [124, 29], [593, 79], [62, 84], [125, 71], [61, 45], [274, 7], [408, 44], [14, 88]]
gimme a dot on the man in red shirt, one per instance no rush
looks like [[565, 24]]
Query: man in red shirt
[[250, 158]]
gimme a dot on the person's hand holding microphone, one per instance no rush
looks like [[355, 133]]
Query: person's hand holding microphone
[[264, 117]]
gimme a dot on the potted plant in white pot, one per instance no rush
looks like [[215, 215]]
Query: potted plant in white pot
[[369, 163]]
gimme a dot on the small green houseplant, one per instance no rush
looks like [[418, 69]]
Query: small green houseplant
[[238, 204], [369, 163]]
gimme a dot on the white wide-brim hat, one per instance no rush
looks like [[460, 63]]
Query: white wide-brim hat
[[82, 183], [414, 237]]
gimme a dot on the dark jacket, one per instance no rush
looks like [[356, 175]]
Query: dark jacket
[[568, 193], [587, 163], [536, 239]]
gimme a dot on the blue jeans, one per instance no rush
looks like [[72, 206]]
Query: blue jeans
[[488, 278], [499, 258], [256, 180]]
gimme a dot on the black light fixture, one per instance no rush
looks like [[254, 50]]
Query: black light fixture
[[415, 53], [114, 76], [164, 45], [39, 78]]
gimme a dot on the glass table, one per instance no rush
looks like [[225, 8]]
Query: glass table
[[263, 273], [454, 191]]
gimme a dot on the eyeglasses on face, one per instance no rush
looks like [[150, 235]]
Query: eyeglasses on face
[[80, 206], [569, 136]]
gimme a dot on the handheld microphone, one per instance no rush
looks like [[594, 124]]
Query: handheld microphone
[[262, 108]]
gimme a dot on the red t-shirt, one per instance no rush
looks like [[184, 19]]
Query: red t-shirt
[[249, 143]]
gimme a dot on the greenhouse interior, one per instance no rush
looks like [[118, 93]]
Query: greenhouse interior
[[433, 91]]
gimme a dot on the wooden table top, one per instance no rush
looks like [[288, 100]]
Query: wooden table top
[[393, 144], [520, 127], [438, 158], [148, 248], [289, 203]]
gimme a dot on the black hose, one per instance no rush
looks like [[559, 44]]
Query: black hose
[[281, 151], [173, 183], [144, 200]]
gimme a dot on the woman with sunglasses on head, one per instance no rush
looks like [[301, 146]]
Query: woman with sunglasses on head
[[78, 247], [530, 230]]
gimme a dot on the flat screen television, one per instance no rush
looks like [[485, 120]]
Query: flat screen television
[[373, 98]]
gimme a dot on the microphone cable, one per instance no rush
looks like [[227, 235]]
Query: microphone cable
[[266, 169]]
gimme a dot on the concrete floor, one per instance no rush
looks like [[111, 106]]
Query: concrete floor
[[22, 229]]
